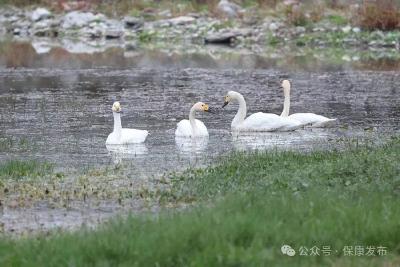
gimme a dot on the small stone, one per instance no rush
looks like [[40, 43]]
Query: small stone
[[346, 58], [113, 33], [40, 13], [346, 29], [222, 38], [165, 13], [228, 9], [182, 20], [300, 29], [76, 19], [273, 26]]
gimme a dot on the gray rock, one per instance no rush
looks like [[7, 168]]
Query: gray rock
[[16, 31], [113, 33], [273, 26], [94, 32], [228, 9], [222, 37], [133, 22], [182, 20], [300, 29], [346, 29], [77, 19], [45, 28], [40, 13], [165, 13]]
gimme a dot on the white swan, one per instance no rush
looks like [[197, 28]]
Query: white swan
[[316, 121], [258, 122], [121, 136], [193, 127]]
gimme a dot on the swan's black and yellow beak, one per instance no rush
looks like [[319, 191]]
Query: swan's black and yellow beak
[[208, 109], [225, 103]]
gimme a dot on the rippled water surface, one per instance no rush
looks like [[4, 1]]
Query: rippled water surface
[[64, 116]]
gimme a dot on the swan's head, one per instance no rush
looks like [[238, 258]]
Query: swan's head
[[200, 106], [286, 86], [116, 107], [228, 98]]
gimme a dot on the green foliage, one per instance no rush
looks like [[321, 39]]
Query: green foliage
[[357, 169], [338, 20], [17, 170], [273, 40], [146, 37], [258, 202]]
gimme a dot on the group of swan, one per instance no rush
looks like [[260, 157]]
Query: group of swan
[[257, 122]]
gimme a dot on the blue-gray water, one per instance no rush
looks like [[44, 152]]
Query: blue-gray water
[[58, 109], [64, 115]]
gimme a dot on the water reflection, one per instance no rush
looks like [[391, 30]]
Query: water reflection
[[132, 151], [63, 115], [280, 140], [191, 146], [66, 53]]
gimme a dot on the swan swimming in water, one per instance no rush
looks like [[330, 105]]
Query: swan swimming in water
[[121, 136], [257, 122], [316, 121], [193, 127]]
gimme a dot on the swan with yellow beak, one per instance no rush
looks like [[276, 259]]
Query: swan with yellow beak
[[122, 136], [193, 127]]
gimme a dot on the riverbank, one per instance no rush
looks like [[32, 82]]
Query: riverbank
[[85, 31], [246, 208]]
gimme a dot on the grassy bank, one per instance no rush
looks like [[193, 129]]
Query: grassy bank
[[249, 206]]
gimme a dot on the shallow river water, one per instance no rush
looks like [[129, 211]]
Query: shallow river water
[[63, 115]]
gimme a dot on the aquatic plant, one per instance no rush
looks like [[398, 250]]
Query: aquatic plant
[[16, 169]]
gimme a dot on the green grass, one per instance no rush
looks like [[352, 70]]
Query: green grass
[[356, 169], [338, 20], [249, 206], [16, 169]]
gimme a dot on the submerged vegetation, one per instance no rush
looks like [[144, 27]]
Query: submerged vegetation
[[248, 207], [18, 170]]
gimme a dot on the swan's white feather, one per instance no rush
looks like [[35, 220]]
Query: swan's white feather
[[267, 122], [184, 129], [313, 120], [128, 136]]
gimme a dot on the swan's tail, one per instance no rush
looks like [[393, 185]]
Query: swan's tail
[[324, 124]]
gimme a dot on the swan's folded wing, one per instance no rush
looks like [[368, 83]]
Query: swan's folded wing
[[183, 128], [263, 122], [312, 119], [133, 136], [202, 129]]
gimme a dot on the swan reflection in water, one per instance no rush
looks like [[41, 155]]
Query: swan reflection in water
[[131, 151], [191, 146], [300, 139]]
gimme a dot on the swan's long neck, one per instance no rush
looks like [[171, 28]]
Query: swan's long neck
[[117, 123], [286, 103], [241, 114], [192, 120]]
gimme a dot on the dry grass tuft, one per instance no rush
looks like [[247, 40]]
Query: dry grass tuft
[[379, 14]]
